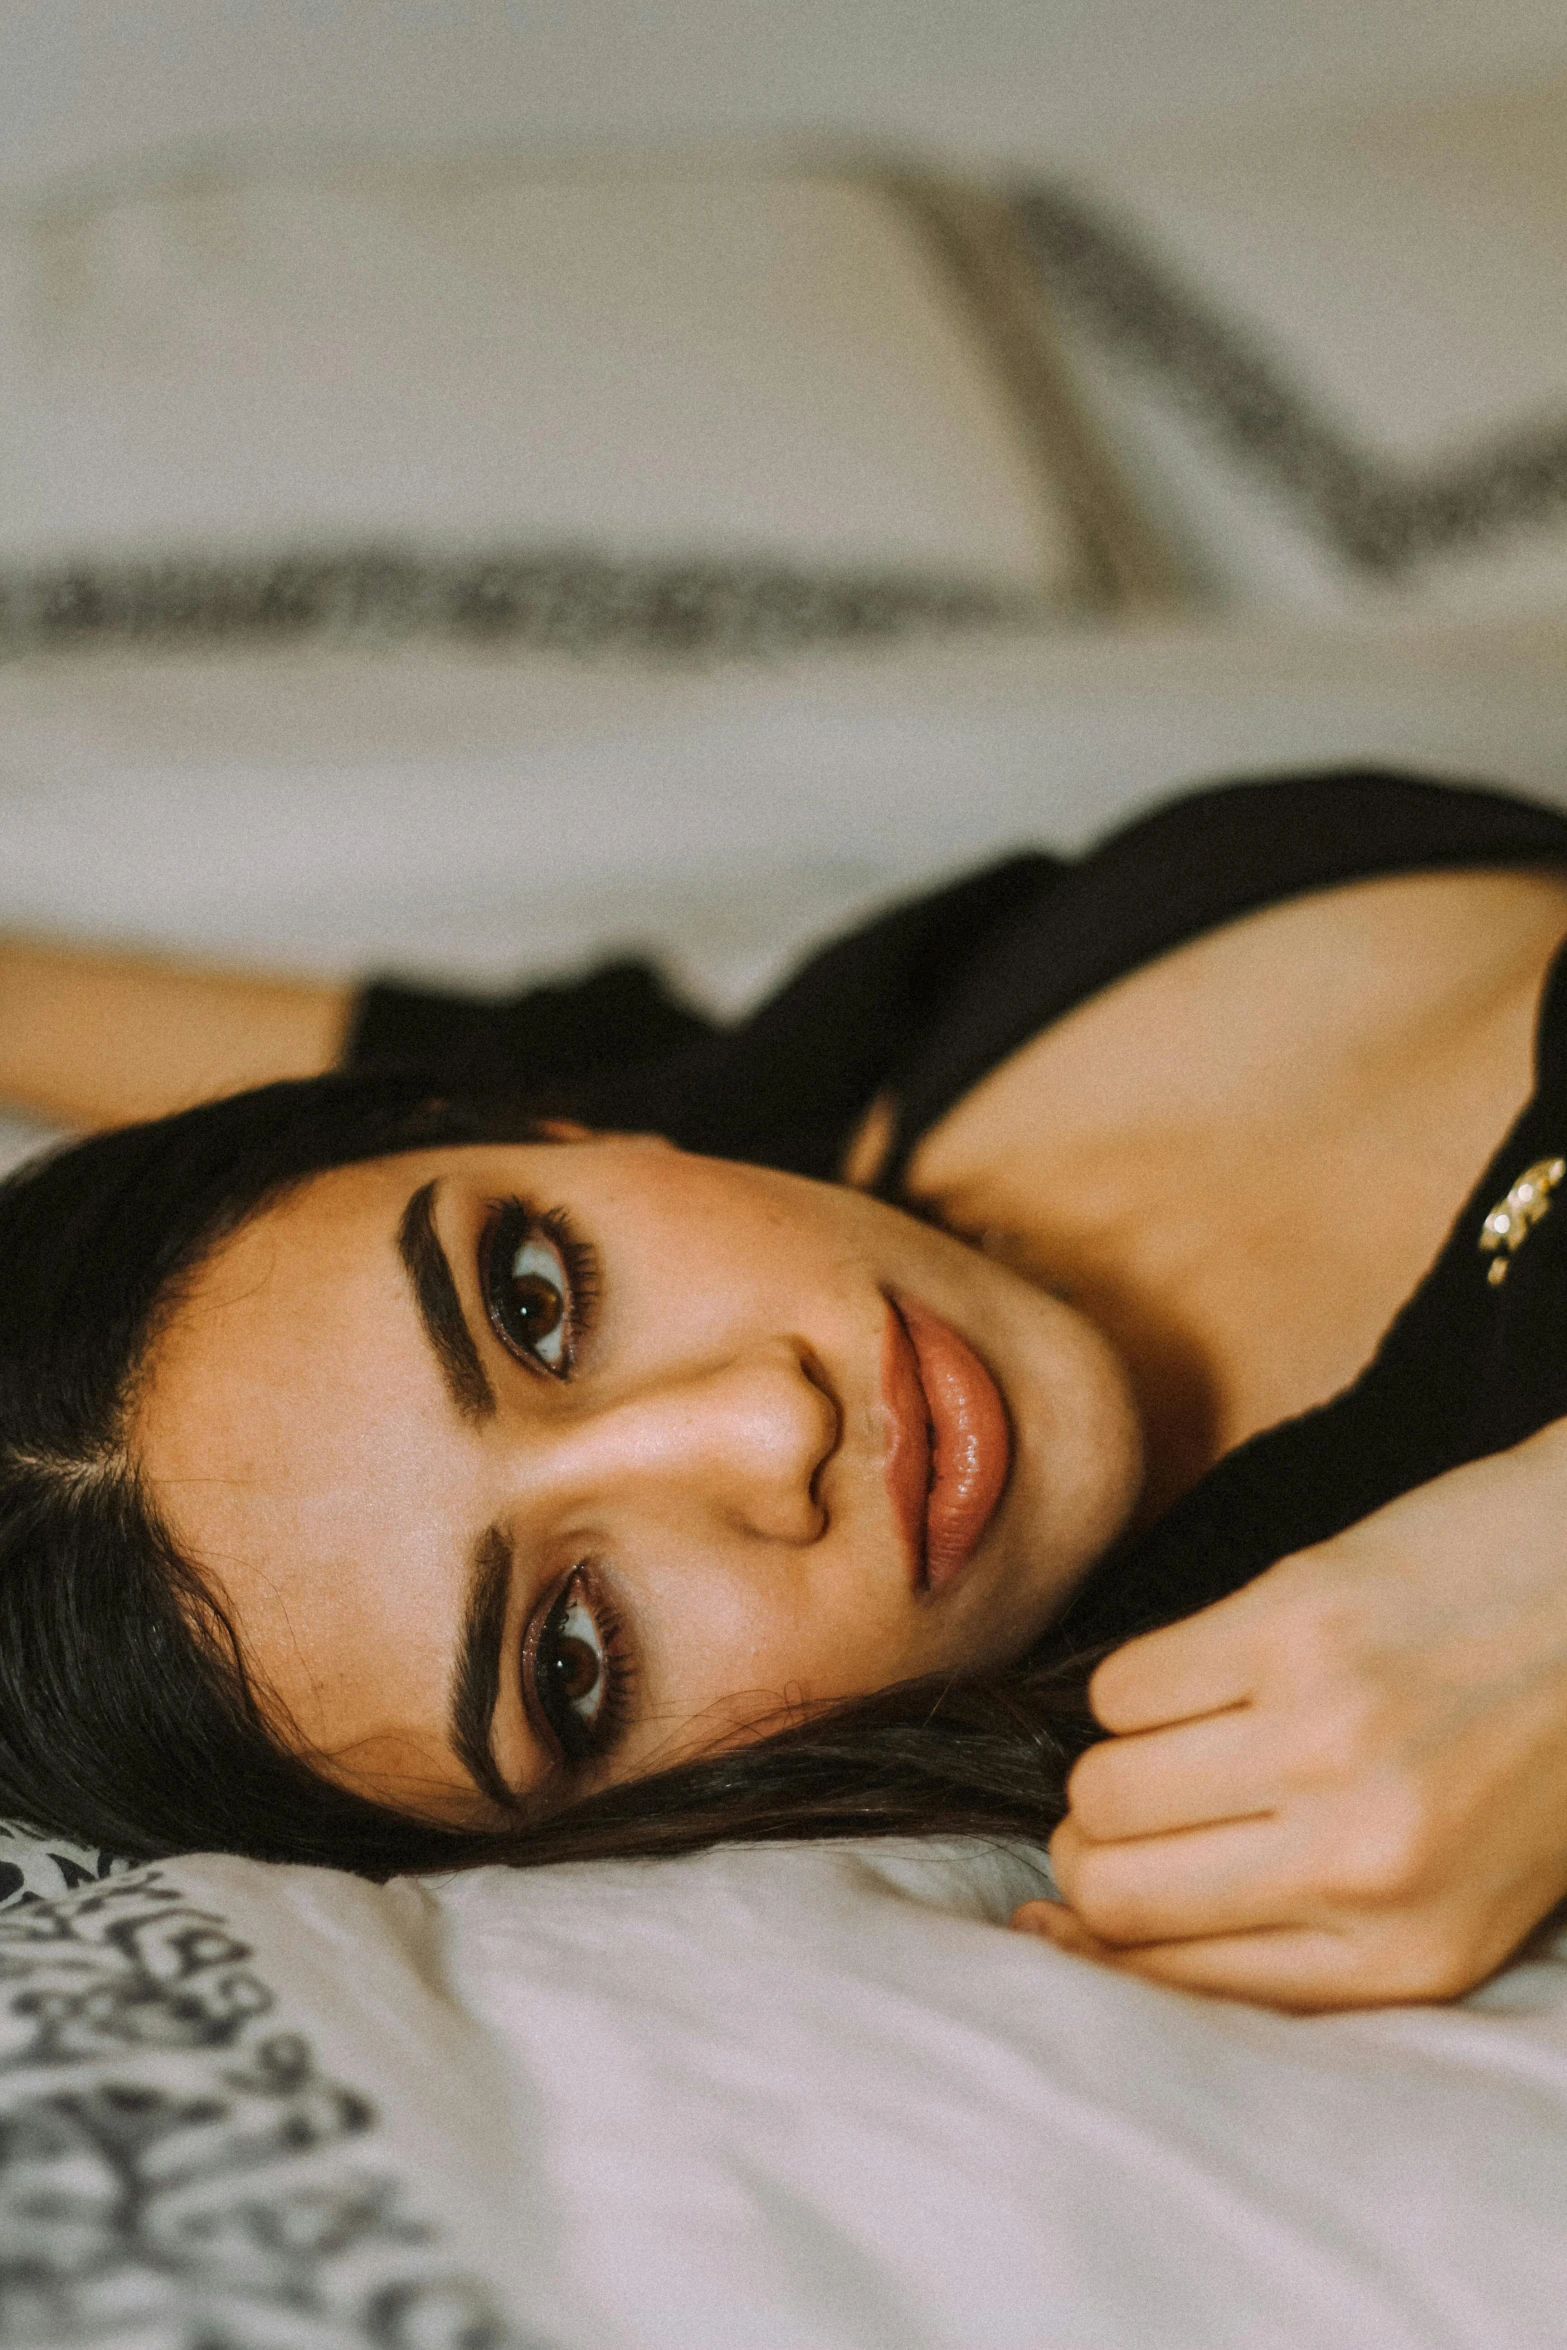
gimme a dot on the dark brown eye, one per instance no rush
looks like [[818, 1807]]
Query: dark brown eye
[[571, 1673], [537, 1306], [531, 1293], [576, 1669]]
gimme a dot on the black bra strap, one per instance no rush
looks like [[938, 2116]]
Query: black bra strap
[[1193, 864]]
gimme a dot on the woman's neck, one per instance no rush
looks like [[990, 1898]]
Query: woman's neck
[[1239, 1160]]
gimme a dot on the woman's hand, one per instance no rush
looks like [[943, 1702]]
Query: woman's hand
[[1347, 1783]]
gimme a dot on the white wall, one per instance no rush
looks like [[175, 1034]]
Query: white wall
[[86, 82]]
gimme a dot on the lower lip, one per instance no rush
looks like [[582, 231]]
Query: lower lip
[[968, 1448]]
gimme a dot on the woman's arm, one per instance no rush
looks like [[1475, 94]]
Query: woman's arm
[[1347, 1783], [96, 1039]]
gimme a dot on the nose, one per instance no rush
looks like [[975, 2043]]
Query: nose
[[741, 1441]]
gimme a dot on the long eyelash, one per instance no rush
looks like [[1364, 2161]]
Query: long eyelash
[[620, 1672], [620, 1668], [578, 1256]]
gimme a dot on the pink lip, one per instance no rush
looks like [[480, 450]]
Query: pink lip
[[950, 1447]]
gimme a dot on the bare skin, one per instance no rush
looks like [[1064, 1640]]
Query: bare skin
[[1235, 1162], [93, 1038], [1239, 1160], [1345, 1784], [710, 1452]]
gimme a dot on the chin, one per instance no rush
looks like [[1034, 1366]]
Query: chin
[[1078, 1445]]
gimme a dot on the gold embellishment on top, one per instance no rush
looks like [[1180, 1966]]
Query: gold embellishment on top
[[1512, 1219]]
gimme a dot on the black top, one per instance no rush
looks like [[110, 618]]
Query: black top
[[928, 998]]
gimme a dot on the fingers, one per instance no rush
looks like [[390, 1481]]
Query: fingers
[[1053, 1922], [1198, 1666], [1308, 1970], [1194, 1775], [1305, 1970], [1232, 1878]]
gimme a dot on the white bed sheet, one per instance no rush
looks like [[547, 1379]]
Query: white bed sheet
[[798, 2099], [480, 818], [1329, 350], [471, 815]]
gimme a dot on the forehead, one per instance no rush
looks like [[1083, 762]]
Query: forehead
[[302, 1445], [298, 1306], [299, 1441], [289, 1280], [328, 1246]]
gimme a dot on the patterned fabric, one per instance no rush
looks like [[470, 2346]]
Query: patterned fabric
[[178, 2169], [39, 1867], [1375, 515], [552, 602]]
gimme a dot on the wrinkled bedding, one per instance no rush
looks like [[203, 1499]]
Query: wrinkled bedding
[[813, 2098]]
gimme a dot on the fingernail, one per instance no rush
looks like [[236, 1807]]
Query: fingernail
[[1047, 1918]]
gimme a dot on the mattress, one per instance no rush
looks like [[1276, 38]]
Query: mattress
[[480, 819]]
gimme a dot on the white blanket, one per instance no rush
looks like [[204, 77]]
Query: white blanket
[[799, 2099]]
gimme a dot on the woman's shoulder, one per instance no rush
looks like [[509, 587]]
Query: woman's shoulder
[[1186, 867], [921, 1000], [1474, 1362]]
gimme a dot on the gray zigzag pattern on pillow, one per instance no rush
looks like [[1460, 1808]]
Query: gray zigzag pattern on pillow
[[1376, 514], [175, 2166], [567, 601]]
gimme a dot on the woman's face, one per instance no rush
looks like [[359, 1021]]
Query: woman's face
[[531, 1467]]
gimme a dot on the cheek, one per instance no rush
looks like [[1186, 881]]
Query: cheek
[[694, 1246], [724, 1644]]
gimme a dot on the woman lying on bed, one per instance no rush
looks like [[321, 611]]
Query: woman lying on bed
[[394, 1481]]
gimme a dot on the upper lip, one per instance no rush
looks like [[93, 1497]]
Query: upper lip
[[908, 1458], [950, 1456]]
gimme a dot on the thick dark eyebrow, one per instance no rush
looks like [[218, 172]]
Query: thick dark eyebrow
[[476, 1683], [440, 1308]]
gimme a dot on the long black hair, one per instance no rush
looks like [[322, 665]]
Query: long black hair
[[127, 1718]]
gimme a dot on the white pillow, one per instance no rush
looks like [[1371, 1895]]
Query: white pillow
[[806, 2098], [689, 401], [35, 1866], [1330, 353]]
